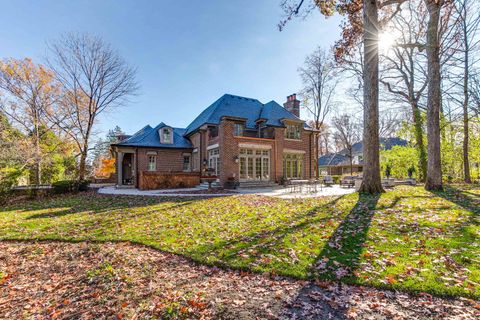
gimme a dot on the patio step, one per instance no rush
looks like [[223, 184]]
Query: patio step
[[204, 185], [257, 184]]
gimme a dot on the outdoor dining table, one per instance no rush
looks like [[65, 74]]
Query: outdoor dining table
[[297, 185]]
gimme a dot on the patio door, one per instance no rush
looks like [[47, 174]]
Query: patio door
[[254, 165]]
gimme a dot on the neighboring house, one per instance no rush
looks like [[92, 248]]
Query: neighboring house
[[339, 163], [239, 139]]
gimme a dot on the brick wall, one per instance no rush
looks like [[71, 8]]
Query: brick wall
[[229, 149], [150, 180], [306, 144], [168, 160]]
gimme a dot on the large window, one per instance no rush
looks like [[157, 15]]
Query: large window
[[214, 160], [292, 131], [152, 163], [293, 166], [254, 164], [186, 163], [238, 129]]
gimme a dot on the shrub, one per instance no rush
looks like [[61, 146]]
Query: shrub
[[336, 179], [68, 186], [8, 179]]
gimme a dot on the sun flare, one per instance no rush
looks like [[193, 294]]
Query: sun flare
[[386, 40]]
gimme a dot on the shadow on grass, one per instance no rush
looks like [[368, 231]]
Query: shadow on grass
[[465, 199], [265, 242], [92, 203], [338, 260], [341, 255]]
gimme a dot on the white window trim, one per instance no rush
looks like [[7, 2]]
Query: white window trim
[[255, 146], [294, 151], [213, 146]]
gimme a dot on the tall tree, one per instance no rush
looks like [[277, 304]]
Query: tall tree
[[319, 85], [404, 73], [95, 78], [31, 94], [358, 25], [469, 20], [371, 182], [434, 164]]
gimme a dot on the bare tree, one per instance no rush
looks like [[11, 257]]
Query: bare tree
[[404, 73], [95, 79], [346, 134], [319, 84], [469, 20], [389, 124]]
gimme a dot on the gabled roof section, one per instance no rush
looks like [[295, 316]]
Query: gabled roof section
[[149, 137], [275, 113], [331, 159], [241, 107], [385, 144]]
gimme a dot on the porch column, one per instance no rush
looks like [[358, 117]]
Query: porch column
[[134, 169], [119, 168]]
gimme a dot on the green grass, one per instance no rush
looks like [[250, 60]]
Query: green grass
[[407, 239]]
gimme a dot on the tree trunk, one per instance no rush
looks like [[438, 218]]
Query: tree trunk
[[371, 182], [422, 154], [434, 165], [38, 157], [82, 169], [466, 163]]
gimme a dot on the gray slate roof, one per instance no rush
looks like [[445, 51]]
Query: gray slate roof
[[227, 105], [149, 137], [240, 107], [340, 157]]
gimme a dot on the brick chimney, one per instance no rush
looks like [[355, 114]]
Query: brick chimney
[[292, 104]]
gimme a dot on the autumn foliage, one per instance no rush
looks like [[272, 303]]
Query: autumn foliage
[[106, 168]]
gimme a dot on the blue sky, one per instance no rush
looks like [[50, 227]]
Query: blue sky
[[188, 53]]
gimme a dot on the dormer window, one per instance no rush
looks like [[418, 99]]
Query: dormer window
[[238, 129], [293, 131], [166, 135]]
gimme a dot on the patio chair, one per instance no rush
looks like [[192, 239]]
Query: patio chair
[[347, 181], [328, 181]]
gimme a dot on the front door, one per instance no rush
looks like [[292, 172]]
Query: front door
[[254, 165]]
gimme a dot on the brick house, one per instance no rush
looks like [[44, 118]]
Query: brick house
[[239, 139]]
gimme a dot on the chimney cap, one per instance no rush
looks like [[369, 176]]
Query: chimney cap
[[292, 97]]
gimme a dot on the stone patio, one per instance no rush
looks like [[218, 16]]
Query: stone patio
[[277, 191]]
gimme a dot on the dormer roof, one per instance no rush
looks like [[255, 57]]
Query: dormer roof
[[150, 137]]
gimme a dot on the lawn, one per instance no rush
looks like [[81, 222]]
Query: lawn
[[407, 239]]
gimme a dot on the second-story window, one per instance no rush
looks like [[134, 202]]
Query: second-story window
[[238, 129], [212, 132], [292, 131]]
